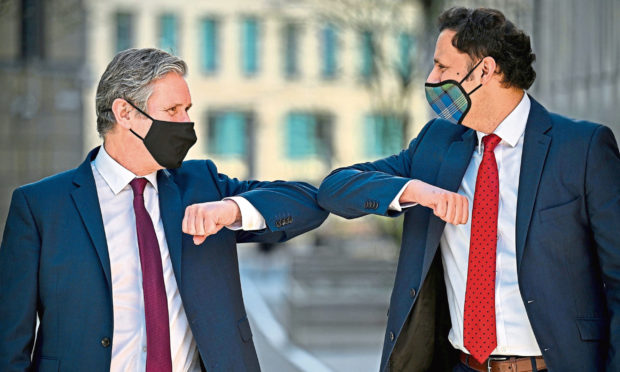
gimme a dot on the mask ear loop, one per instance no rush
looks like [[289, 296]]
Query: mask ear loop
[[469, 73], [140, 111]]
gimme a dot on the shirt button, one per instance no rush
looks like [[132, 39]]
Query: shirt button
[[392, 336], [105, 342], [144, 349]]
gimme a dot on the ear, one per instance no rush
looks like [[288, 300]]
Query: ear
[[488, 69], [122, 112]]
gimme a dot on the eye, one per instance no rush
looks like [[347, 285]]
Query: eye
[[172, 110]]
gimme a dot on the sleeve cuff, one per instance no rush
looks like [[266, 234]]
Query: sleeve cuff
[[395, 204], [251, 219]]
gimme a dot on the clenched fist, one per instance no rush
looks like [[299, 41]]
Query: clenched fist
[[204, 219], [449, 206]]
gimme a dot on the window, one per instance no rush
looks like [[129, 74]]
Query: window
[[291, 53], [32, 29], [168, 33], [384, 134], [249, 45], [124, 31], [368, 55], [210, 38], [329, 44], [406, 50], [308, 135], [227, 133]]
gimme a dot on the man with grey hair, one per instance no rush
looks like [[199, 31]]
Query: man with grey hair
[[124, 260]]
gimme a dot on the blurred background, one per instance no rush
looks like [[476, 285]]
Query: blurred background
[[285, 89]]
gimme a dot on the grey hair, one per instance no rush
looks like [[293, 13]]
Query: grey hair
[[129, 76]]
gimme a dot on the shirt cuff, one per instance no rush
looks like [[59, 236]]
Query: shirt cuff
[[395, 204], [251, 219]]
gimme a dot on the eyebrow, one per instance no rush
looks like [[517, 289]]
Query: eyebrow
[[180, 104]]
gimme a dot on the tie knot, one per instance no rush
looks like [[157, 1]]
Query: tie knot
[[490, 141], [138, 185]]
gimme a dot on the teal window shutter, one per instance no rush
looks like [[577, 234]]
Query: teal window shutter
[[367, 57], [406, 48], [393, 130], [301, 134], [249, 44], [372, 137], [330, 45], [291, 53], [168, 34], [124, 31], [228, 134], [210, 36], [383, 134]]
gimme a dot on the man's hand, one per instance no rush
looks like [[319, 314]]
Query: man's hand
[[449, 206], [204, 219]]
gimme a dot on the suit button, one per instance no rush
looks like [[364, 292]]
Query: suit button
[[392, 336], [105, 342], [412, 292]]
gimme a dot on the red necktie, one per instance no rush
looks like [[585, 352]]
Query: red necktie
[[158, 357], [479, 334]]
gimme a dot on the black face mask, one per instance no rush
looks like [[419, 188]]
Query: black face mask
[[167, 141]]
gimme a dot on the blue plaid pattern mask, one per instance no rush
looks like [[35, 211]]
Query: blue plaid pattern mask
[[449, 99]]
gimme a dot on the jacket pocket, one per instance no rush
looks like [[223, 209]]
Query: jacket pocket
[[47, 365], [592, 329], [559, 211], [244, 329]]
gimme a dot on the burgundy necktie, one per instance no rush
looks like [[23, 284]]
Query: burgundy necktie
[[479, 333], [155, 301]]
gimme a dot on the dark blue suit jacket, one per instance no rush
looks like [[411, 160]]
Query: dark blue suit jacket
[[567, 234], [54, 263]]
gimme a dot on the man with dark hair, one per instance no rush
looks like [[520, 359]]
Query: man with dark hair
[[98, 253], [531, 281]]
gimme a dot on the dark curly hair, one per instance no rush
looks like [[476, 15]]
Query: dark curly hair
[[486, 32]]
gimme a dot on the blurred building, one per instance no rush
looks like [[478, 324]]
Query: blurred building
[[577, 46], [42, 88], [281, 89]]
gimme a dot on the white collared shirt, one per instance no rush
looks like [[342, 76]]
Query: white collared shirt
[[514, 331], [129, 337]]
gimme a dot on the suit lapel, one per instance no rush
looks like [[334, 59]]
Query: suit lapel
[[535, 148], [450, 176], [87, 203], [172, 211]]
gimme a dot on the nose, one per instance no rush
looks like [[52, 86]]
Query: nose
[[433, 76], [185, 117]]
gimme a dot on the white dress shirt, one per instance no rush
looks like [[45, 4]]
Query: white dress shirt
[[129, 335], [514, 331]]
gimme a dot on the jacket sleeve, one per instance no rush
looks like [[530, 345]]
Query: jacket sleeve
[[289, 208], [19, 262], [368, 188], [602, 190]]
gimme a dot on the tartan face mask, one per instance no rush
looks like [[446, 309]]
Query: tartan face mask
[[449, 99]]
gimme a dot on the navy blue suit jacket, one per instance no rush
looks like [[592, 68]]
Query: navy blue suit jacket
[[54, 263], [567, 231]]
